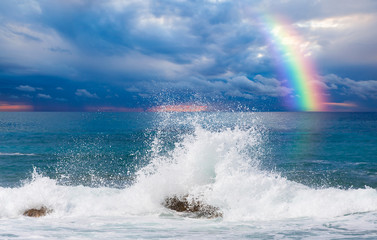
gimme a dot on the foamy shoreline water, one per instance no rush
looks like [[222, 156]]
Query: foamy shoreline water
[[171, 226]]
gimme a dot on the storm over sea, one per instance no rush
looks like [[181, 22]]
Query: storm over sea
[[266, 175]]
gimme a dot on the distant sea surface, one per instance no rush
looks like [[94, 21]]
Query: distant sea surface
[[107, 175]]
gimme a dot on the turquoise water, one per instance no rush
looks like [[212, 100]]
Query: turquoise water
[[105, 175]]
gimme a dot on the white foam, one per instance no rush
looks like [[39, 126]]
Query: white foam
[[68, 201], [220, 167], [17, 154]]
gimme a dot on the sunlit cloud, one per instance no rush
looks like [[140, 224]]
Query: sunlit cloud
[[347, 105], [5, 107]]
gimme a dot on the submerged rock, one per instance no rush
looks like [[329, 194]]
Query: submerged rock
[[34, 212], [191, 205]]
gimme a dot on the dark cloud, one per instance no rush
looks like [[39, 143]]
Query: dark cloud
[[125, 53], [348, 87], [299, 10], [27, 36], [59, 50]]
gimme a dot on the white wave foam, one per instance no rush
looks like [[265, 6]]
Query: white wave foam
[[219, 167], [17, 154], [222, 169], [74, 201]]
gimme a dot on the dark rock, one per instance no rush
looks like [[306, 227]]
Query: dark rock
[[34, 212], [194, 206]]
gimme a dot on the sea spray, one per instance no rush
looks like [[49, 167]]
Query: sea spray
[[244, 178], [194, 163], [215, 162], [221, 168]]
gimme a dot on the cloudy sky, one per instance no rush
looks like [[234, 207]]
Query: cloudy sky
[[130, 55]]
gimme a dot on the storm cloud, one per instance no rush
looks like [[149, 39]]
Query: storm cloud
[[126, 53]]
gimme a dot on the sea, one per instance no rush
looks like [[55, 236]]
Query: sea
[[272, 175]]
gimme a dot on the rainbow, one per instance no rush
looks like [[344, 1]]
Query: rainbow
[[294, 68]]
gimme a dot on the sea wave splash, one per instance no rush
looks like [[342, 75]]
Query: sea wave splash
[[218, 167]]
